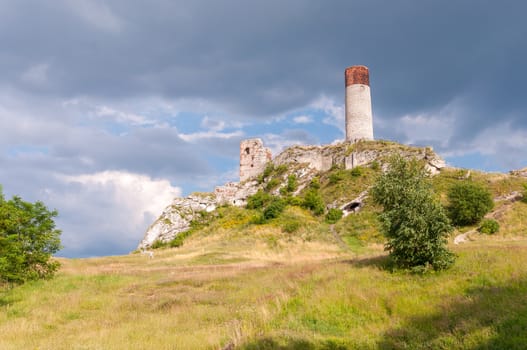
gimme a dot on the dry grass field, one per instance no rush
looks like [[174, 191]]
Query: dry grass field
[[308, 295]]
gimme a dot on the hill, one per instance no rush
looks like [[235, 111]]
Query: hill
[[233, 280]]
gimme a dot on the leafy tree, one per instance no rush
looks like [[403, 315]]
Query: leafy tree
[[413, 221], [468, 203], [28, 238]]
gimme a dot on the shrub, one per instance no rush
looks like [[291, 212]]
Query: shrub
[[336, 176], [524, 198], [375, 165], [314, 202], [489, 226], [357, 171], [292, 184], [413, 221], [315, 183], [468, 203], [279, 170], [158, 244], [333, 215], [272, 184], [258, 200], [274, 209], [291, 226], [296, 201]]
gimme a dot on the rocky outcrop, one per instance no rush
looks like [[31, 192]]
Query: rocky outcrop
[[519, 172], [176, 218], [350, 155], [235, 193]]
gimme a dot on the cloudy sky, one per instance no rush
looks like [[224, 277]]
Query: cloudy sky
[[109, 109]]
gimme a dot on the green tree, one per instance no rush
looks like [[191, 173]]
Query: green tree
[[468, 203], [28, 238], [413, 221]]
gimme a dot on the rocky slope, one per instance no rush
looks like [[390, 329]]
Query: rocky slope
[[305, 162]]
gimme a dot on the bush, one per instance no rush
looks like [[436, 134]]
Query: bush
[[281, 169], [524, 198], [413, 221], [333, 215], [357, 171], [375, 165], [291, 226], [468, 203], [274, 209], [315, 183], [489, 226], [292, 184], [314, 202], [295, 201], [258, 200], [28, 238], [272, 184], [336, 177]]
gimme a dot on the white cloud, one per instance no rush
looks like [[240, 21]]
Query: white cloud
[[124, 117], [193, 137], [117, 207], [303, 119], [334, 112], [97, 14]]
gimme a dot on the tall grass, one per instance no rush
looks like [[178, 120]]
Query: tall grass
[[268, 301]]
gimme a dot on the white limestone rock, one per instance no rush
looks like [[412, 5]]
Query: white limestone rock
[[176, 218]]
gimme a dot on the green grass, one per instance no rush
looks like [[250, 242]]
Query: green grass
[[186, 298]]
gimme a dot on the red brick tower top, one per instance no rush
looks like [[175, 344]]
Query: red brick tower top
[[357, 75]]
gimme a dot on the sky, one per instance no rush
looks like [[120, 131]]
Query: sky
[[110, 109]]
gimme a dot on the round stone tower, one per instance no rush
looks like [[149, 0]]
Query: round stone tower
[[359, 121]]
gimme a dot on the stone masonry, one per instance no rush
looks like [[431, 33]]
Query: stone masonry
[[359, 119], [253, 158]]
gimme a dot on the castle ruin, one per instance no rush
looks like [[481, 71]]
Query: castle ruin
[[253, 158]]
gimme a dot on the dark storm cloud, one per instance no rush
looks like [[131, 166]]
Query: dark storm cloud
[[260, 58]]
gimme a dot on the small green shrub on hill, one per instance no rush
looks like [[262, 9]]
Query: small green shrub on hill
[[258, 200], [468, 203], [314, 202], [333, 215], [336, 177], [315, 183], [272, 184], [489, 226], [357, 171], [274, 209]]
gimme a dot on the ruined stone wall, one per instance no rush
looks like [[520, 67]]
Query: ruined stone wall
[[359, 119], [253, 158]]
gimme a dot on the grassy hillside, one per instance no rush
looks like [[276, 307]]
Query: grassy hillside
[[291, 282], [305, 296]]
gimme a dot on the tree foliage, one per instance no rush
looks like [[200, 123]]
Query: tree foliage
[[28, 238], [413, 221], [468, 203]]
